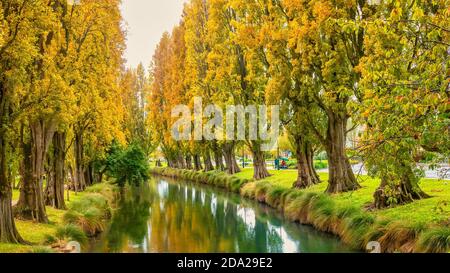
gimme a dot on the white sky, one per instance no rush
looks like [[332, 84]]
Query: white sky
[[146, 21]]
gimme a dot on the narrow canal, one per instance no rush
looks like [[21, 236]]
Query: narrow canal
[[168, 216]]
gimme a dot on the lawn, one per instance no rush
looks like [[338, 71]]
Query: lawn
[[36, 233], [433, 210]]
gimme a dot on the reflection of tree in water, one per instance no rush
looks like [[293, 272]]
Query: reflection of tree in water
[[302, 238], [194, 220], [129, 223], [169, 217]]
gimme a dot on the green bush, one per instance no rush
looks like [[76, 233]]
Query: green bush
[[319, 165], [127, 165]]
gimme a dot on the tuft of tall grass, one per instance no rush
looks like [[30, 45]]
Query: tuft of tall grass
[[399, 237], [106, 190], [67, 233], [89, 213], [322, 213], [90, 221], [248, 190], [355, 227], [261, 191], [275, 197], [42, 250], [434, 241]]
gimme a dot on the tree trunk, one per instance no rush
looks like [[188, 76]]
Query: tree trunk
[[197, 163], [172, 163], [31, 201], [54, 192], [208, 163], [88, 177], [158, 163], [232, 166], [398, 191], [259, 162], [342, 178], [310, 156], [79, 183], [21, 174], [307, 176], [181, 161], [8, 230], [218, 158], [189, 162]]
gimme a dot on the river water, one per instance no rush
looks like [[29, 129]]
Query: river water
[[168, 216]]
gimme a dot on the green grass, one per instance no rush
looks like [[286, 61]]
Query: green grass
[[433, 210], [37, 234]]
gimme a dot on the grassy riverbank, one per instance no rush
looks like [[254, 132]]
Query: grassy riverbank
[[422, 226], [85, 215]]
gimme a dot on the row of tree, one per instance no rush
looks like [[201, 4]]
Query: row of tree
[[64, 98], [333, 66]]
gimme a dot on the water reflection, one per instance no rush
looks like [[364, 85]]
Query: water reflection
[[166, 216]]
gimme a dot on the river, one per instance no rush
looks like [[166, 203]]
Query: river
[[168, 216]]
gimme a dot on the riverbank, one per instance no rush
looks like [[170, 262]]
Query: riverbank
[[87, 212], [422, 226]]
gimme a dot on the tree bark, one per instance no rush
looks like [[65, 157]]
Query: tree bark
[[398, 191], [307, 176], [259, 162], [8, 230], [181, 161], [158, 163], [218, 158], [342, 178], [54, 191], [310, 157], [232, 166], [31, 201], [197, 163], [88, 175], [208, 163], [79, 182], [189, 162]]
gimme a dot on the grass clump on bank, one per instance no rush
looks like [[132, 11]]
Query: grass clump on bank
[[88, 213], [343, 215], [231, 183], [67, 225]]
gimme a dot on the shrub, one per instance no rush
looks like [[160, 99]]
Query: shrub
[[319, 165], [128, 165]]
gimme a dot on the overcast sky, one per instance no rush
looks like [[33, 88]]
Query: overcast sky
[[146, 21]]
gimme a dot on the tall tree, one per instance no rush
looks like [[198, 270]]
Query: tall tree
[[406, 89], [17, 52], [328, 38]]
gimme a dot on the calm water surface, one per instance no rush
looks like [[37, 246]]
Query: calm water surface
[[168, 216]]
